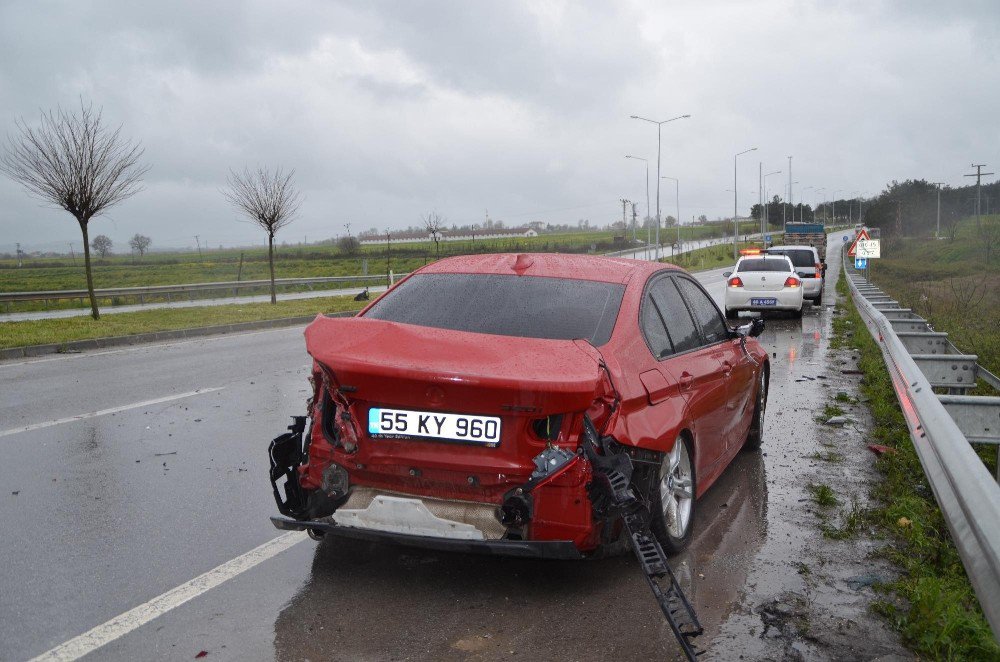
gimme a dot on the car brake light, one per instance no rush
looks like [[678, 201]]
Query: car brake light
[[735, 282], [792, 281]]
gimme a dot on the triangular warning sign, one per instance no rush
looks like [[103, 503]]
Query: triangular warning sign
[[854, 244]]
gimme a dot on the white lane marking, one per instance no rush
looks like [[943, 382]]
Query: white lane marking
[[140, 346], [134, 618], [103, 412]]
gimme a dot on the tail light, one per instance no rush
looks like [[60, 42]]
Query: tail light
[[792, 281], [735, 282], [819, 271]]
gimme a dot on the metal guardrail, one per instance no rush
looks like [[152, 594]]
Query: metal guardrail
[[942, 427], [189, 289]]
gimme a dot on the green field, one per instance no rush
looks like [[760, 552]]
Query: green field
[[63, 273], [44, 332], [950, 283]]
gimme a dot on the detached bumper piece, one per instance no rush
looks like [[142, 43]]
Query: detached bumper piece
[[547, 549], [612, 493], [286, 454]]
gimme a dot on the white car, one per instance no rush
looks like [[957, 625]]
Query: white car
[[762, 283], [808, 266]]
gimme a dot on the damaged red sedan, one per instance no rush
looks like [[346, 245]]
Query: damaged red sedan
[[531, 405]]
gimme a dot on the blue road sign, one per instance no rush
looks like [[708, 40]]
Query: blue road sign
[[844, 238], [767, 238], [860, 263]]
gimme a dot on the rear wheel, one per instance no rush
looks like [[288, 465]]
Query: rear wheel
[[672, 504], [756, 434]]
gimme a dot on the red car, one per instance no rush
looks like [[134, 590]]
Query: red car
[[505, 403]]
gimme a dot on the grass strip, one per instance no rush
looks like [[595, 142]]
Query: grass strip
[[43, 332], [932, 604]]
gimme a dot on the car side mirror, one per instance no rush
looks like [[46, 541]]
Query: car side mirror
[[727, 274], [753, 329]]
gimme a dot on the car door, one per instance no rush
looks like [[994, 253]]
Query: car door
[[737, 368], [697, 371]]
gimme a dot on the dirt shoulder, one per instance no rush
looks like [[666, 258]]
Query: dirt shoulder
[[810, 590]]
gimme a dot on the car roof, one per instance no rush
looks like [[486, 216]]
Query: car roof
[[779, 249], [552, 265]]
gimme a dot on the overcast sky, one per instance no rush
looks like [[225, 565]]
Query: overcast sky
[[388, 110]]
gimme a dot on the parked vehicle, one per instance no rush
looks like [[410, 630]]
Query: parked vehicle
[[763, 282], [809, 267], [807, 234], [506, 403]]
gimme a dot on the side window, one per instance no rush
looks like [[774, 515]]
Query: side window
[[653, 329], [680, 326], [713, 327]]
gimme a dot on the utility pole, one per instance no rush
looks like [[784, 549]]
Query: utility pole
[[19, 254], [197, 240], [978, 175], [937, 232], [760, 195], [72, 255], [634, 224], [625, 218], [348, 226]]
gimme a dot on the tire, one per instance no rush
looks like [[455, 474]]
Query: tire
[[797, 314], [755, 436], [672, 504], [732, 314]]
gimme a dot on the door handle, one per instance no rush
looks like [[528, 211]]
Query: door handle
[[686, 379]]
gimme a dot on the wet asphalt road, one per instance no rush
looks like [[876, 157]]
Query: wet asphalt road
[[106, 513]]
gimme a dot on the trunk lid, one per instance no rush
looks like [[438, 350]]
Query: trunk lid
[[763, 281], [394, 363]]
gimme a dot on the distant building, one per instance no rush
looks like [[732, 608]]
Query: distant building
[[450, 235]]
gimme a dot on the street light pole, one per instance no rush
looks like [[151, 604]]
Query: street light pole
[[646, 161], [817, 192], [833, 213], [783, 219], [802, 210], [659, 126], [766, 218], [736, 206]]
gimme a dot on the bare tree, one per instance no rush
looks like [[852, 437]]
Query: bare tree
[[102, 244], [268, 199], [433, 222], [73, 161], [140, 243]]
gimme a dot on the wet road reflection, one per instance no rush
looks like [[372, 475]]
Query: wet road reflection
[[371, 601]]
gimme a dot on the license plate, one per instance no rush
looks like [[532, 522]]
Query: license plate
[[763, 302], [403, 423]]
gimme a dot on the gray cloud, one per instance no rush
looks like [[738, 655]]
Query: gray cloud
[[387, 110]]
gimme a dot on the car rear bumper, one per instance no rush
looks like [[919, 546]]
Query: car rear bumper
[[812, 288], [544, 549], [742, 299]]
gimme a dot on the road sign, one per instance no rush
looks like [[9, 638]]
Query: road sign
[[860, 263], [845, 238], [767, 238], [869, 248], [862, 236]]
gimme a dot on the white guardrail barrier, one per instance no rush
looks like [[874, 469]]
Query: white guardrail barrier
[[941, 426]]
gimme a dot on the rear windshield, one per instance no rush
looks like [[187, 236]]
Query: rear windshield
[[524, 306], [760, 264], [800, 258]]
